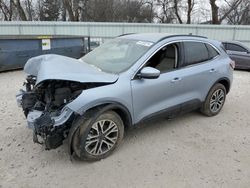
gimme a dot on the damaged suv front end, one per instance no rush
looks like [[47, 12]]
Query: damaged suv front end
[[45, 107], [49, 88]]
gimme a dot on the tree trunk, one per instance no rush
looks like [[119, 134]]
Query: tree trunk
[[64, 14], [177, 11], [214, 9], [190, 7], [29, 9], [6, 11], [68, 7], [20, 10]]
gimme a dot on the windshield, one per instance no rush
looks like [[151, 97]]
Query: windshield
[[117, 55]]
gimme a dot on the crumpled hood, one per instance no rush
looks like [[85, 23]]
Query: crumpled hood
[[57, 67]]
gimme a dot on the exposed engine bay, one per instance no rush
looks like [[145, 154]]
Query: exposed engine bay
[[50, 95], [44, 107]]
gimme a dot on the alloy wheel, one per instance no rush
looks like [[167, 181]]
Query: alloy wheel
[[102, 137], [217, 100]]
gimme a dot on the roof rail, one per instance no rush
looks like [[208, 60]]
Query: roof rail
[[191, 34], [184, 35], [125, 34]]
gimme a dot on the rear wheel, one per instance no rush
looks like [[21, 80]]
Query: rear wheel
[[96, 138], [214, 101]]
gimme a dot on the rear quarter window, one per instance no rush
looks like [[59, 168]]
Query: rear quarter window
[[223, 47], [212, 53], [195, 52]]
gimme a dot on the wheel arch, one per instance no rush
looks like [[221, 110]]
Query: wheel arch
[[226, 82], [98, 109], [120, 109]]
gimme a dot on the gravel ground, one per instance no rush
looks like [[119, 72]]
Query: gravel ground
[[188, 151]]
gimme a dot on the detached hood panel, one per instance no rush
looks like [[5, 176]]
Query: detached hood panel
[[57, 67]]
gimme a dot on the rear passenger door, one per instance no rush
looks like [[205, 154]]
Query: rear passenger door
[[198, 72]]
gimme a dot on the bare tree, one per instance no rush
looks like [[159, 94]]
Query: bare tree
[[69, 8], [165, 11], [102, 10], [29, 9], [74, 9], [7, 9], [214, 11], [216, 19], [190, 7], [239, 15], [50, 10], [118, 11], [20, 10], [149, 10], [177, 10], [166, 14]]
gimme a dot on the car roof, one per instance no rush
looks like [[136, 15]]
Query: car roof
[[155, 37]]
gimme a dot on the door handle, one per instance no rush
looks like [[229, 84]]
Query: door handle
[[212, 70], [177, 79]]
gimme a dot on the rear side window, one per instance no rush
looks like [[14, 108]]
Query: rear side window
[[223, 47], [235, 47], [195, 52], [211, 51]]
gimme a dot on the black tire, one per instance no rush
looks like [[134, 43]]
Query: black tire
[[87, 127], [208, 109]]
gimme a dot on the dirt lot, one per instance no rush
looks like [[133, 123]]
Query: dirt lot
[[189, 151]]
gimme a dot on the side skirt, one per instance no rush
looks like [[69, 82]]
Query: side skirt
[[172, 112]]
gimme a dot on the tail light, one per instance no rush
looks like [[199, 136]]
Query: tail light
[[232, 64]]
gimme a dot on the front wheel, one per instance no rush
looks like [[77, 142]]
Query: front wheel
[[96, 138], [214, 101]]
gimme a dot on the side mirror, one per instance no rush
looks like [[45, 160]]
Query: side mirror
[[149, 73]]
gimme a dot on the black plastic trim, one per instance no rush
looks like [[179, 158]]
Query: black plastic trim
[[173, 111]]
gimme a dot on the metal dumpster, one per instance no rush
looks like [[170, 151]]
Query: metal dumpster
[[16, 50]]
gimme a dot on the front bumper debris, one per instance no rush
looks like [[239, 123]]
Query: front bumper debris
[[32, 117], [57, 120], [19, 97], [48, 129]]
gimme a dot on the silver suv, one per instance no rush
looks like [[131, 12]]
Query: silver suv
[[120, 84]]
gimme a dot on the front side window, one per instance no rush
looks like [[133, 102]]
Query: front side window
[[165, 59], [235, 47], [195, 52], [117, 55]]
